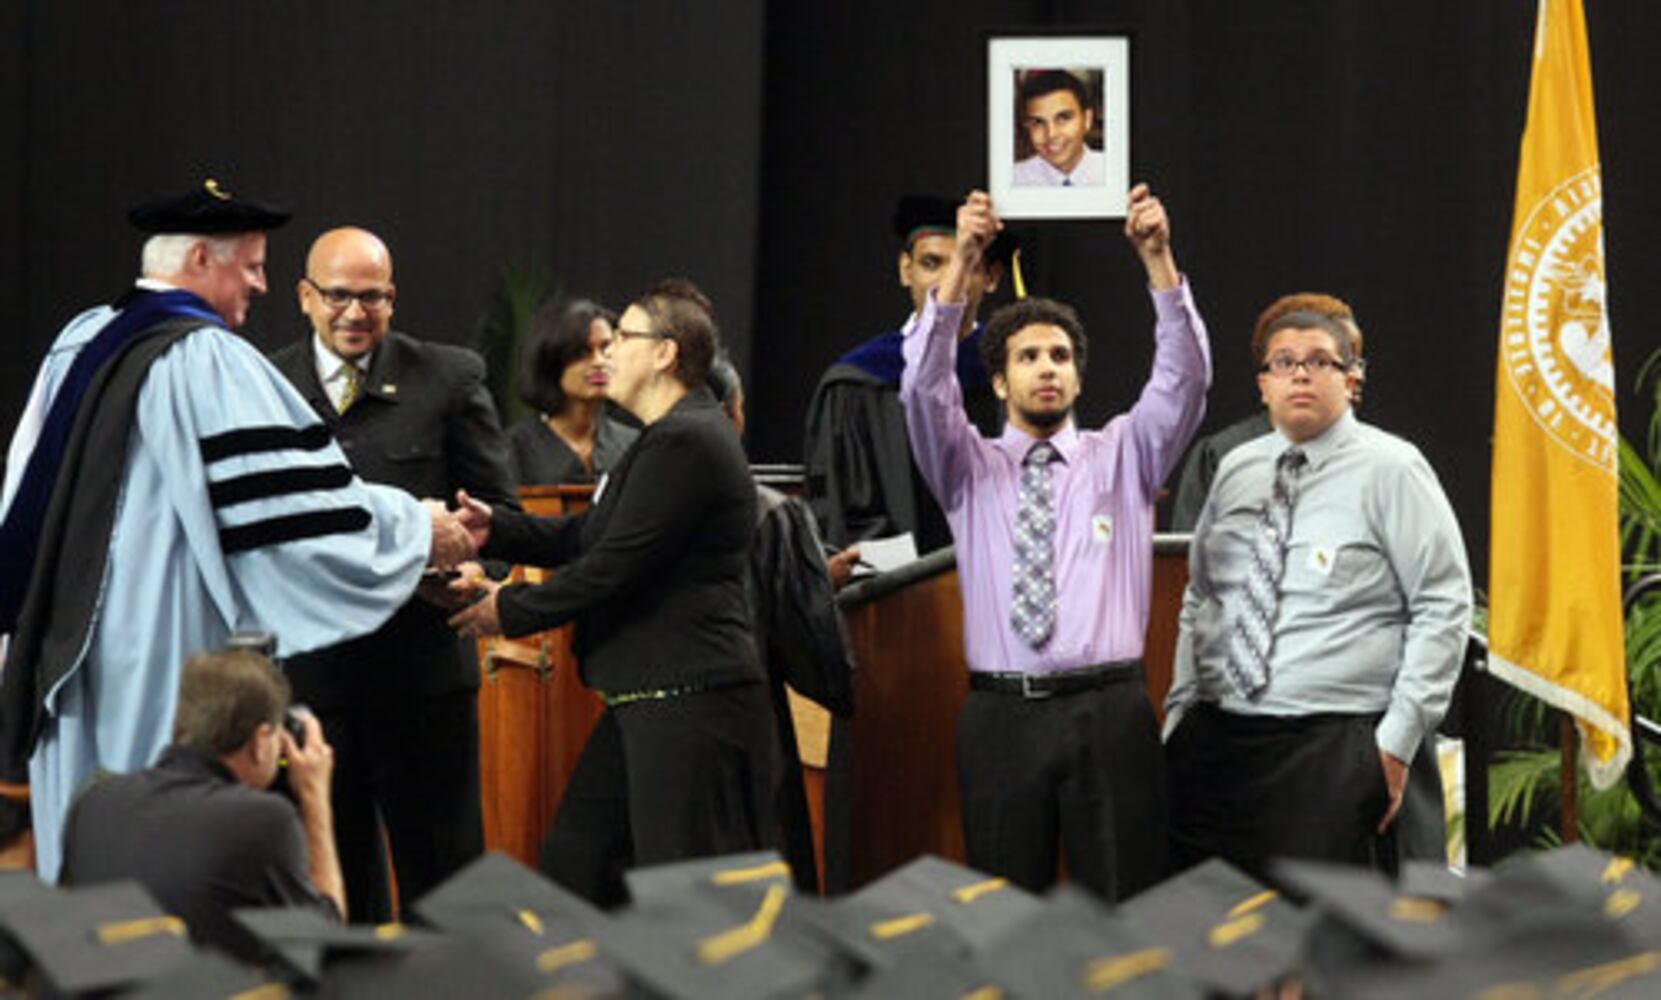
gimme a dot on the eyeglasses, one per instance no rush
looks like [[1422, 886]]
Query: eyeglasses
[[1283, 365], [621, 334], [340, 298]]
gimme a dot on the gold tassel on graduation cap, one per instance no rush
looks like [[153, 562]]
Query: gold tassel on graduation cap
[[1015, 273], [750, 934], [124, 931]]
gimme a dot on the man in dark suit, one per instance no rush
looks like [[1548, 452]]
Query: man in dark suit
[[400, 705]]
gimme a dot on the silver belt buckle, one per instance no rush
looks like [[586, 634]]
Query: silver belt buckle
[[1031, 693]]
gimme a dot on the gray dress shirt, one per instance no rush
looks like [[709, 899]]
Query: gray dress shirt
[[1376, 595]]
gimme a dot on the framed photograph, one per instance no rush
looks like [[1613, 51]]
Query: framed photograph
[[1058, 126]]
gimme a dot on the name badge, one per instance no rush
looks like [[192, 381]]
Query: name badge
[[1322, 558], [600, 487], [1101, 528]]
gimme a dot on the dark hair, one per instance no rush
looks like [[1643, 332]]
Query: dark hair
[[224, 697], [1304, 319], [682, 313], [558, 335], [1017, 316], [1047, 81]]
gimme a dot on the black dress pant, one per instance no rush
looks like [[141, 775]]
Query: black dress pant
[[1078, 773], [412, 763], [666, 780], [1249, 789]]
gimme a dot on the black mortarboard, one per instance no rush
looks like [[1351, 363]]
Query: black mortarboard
[[1229, 932], [208, 209], [1544, 953], [927, 215], [303, 938], [671, 882], [930, 903], [1370, 906], [1434, 880], [1600, 888], [934, 971], [442, 969], [210, 973], [729, 927], [17, 890], [524, 920], [1076, 947], [96, 937]]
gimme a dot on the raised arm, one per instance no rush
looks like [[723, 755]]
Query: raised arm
[[1172, 403], [942, 438]]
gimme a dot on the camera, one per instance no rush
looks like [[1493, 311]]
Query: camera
[[265, 644], [294, 722]]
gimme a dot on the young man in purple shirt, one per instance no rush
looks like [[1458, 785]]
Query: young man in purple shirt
[[1057, 746]]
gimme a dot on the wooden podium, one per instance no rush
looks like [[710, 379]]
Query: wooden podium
[[534, 714]]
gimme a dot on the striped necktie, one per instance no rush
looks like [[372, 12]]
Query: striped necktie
[[1252, 632], [1032, 604]]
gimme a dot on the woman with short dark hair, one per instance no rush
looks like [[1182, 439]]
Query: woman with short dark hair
[[683, 762]]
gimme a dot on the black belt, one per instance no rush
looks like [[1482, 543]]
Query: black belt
[[1057, 684], [617, 699]]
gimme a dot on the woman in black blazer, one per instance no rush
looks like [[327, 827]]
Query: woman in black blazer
[[683, 762]]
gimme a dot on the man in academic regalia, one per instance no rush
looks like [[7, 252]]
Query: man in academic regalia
[[165, 487], [861, 482]]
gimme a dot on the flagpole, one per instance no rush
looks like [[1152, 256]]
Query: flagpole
[[1568, 745]]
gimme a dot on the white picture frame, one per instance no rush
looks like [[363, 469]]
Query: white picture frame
[[1026, 154]]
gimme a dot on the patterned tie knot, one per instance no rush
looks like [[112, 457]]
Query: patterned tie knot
[[1292, 460], [354, 385], [1041, 455]]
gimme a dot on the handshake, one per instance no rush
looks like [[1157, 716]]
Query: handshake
[[458, 534], [458, 584]]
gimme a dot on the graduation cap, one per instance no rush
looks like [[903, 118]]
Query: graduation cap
[[210, 973], [1228, 932], [95, 937], [744, 873], [525, 921], [18, 888], [929, 215], [1551, 954], [931, 971], [1369, 905], [729, 927], [1592, 886], [303, 939], [1076, 947], [209, 209], [929, 904], [1435, 880], [443, 969]]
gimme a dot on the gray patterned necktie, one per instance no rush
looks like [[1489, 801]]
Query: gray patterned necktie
[[1251, 634], [1032, 604]]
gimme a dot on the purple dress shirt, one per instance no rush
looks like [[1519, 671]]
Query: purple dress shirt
[[1105, 484]]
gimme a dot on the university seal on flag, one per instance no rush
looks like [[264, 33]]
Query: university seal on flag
[[1556, 327]]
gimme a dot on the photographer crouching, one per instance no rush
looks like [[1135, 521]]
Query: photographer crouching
[[199, 829]]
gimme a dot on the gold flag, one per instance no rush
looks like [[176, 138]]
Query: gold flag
[[1554, 565]]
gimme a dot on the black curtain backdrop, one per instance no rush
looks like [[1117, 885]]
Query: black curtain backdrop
[[1351, 146], [613, 143]]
